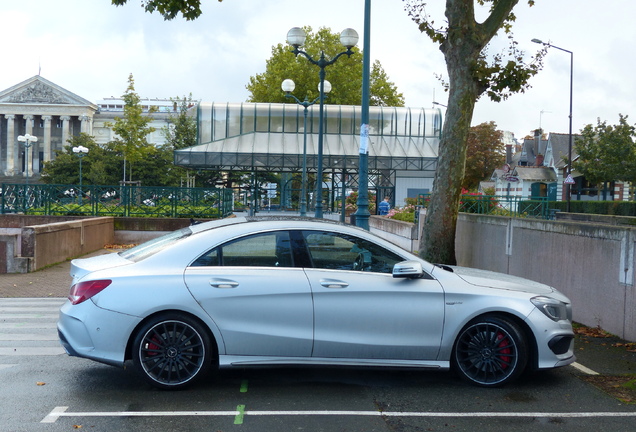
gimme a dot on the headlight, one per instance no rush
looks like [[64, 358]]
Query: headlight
[[552, 308]]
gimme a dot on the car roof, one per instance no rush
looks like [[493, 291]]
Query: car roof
[[246, 224], [274, 221]]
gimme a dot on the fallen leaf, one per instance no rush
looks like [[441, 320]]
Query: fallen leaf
[[40, 383]]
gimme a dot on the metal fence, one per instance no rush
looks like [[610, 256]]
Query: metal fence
[[129, 200], [502, 206]]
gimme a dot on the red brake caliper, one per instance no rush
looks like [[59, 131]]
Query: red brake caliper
[[505, 345], [152, 346]]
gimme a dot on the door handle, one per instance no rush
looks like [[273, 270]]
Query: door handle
[[223, 283], [332, 283]]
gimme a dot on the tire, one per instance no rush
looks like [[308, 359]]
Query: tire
[[490, 352], [172, 351]]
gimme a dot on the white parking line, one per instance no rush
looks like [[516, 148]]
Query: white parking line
[[583, 369], [60, 411]]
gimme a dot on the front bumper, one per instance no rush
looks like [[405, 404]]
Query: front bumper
[[555, 341]]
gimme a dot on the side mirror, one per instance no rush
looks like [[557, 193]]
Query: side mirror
[[408, 269]]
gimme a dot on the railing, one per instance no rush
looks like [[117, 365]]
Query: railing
[[93, 200], [501, 206]]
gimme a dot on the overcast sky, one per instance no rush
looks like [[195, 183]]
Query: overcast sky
[[89, 47]]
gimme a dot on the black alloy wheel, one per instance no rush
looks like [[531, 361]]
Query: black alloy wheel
[[490, 352], [172, 351]]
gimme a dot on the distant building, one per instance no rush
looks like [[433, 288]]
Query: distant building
[[539, 168], [112, 107], [41, 108]]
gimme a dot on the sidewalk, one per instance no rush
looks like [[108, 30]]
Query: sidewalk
[[53, 281]]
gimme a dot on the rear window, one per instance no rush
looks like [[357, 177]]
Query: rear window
[[149, 248]]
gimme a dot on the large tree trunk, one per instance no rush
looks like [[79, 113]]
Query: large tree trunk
[[462, 47], [438, 242]]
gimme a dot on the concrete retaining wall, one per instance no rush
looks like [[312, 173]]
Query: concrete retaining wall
[[29, 243], [403, 234], [589, 259], [593, 264]]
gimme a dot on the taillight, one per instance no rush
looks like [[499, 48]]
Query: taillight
[[84, 290]]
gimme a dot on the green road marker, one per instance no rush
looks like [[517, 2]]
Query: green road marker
[[241, 413]]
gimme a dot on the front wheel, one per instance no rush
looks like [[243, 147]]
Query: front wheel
[[172, 351], [490, 351]]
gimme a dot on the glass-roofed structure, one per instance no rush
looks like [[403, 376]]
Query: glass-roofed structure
[[403, 145]]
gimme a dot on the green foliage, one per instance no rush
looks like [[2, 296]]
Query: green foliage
[[132, 129], [102, 165], [613, 208], [485, 152], [345, 75], [606, 152], [182, 132], [86, 209], [499, 75], [351, 202], [158, 169], [406, 213], [99, 165], [170, 9]]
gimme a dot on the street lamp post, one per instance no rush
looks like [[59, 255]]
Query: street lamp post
[[296, 38], [80, 151], [569, 171], [28, 141], [362, 214], [288, 86]]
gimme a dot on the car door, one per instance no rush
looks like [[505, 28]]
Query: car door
[[261, 303], [361, 311]]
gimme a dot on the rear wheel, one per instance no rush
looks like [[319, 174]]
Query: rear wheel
[[172, 351], [490, 352]]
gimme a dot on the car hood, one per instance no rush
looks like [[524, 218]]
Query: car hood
[[82, 266], [492, 279]]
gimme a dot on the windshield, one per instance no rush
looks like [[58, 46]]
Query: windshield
[[151, 247]]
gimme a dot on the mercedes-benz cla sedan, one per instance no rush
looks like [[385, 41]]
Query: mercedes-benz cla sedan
[[253, 291]]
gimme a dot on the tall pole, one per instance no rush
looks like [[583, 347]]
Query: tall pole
[[569, 170], [362, 214], [28, 140], [321, 133], [80, 151], [296, 38], [568, 189], [288, 86], [303, 186], [27, 145]]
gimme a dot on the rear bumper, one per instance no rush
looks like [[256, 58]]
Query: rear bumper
[[81, 336]]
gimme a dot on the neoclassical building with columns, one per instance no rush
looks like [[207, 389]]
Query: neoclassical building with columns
[[53, 114]]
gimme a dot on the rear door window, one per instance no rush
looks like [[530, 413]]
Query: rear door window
[[259, 250]]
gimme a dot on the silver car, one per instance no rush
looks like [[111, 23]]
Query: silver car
[[253, 291]]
